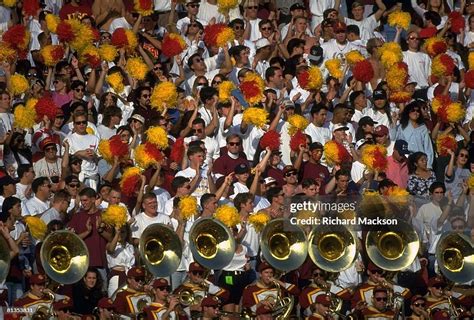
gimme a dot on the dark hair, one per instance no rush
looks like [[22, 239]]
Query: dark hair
[[432, 16], [109, 113], [77, 83], [88, 192], [273, 193], [199, 121], [148, 195], [205, 198], [308, 182], [236, 21], [191, 60], [317, 107], [352, 28], [235, 51], [413, 159], [207, 93], [435, 185], [405, 116], [242, 198], [194, 150], [38, 182], [8, 203], [342, 172], [270, 72], [178, 182], [22, 169], [61, 195], [294, 43]]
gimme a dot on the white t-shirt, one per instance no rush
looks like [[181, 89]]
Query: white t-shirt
[[332, 49], [255, 33], [50, 215], [33, 207], [318, 134], [83, 142], [123, 256], [203, 186], [208, 11], [366, 26], [105, 133], [419, 67], [43, 168], [142, 221]]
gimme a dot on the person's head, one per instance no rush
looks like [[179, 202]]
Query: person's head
[[436, 286], [80, 123], [290, 175], [339, 133], [11, 211], [234, 143], [266, 28], [244, 202], [210, 307], [411, 113], [161, 289], [380, 298], [432, 18], [358, 100], [413, 41], [92, 278], [143, 96], [295, 46], [310, 187], [275, 195], [353, 32], [181, 186], [198, 128], [136, 278], [462, 157], [150, 204], [87, 197], [381, 135], [241, 54], [78, 89], [242, 172], [357, 11], [209, 202], [72, 185], [237, 26], [322, 304], [112, 117], [373, 45], [41, 188], [196, 63], [437, 191], [26, 173], [196, 272], [418, 304], [37, 284], [343, 177], [301, 23], [251, 9], [457, 221], [340, 32], [208, 95], [61, 200], [274, 76], [417, 160]]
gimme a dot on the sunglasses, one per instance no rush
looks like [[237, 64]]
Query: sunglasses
[[253, 7], [197, 60], [463, 155], [157, 68], [197, 130], [146, 96], [32, 75], [377, 271], [419, 304], [197, 273], [55, 179], [79, 90], [205, 84], [194, 25], [80, 122], [216, 83], [193, 5], [267, 29], [439, 287], [381, 299], [55, 82], [73, 185], [105, 37], [234, 144], [59, 117], [289, 174], [238, 27], [164, 289], [317, 274], [415, 110]]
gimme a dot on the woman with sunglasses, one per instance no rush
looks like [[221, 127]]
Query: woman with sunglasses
[[456, 172], [16, 153]]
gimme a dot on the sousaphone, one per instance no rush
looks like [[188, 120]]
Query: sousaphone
[[455, 256]]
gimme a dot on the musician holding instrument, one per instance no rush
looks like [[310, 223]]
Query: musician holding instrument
[[127, 301], [36, 296], [105, 309], [320, 308], [164, 305], [317, 287], [380, 309], [210, 308], [436, 297], [266, 290], [418, 308], [62, 309]]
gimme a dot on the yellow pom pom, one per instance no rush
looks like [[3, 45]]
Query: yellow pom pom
[[115, 81], [145, 8], [297, 122], [164, 93], [19, 84], [374, 156], [397, 195], [228, 215], [334, 68], [52, 22], [259, 220], [89, 130], [224, 37], [390, 53], [455, 112], [24, 117], [471, 60], [6, 53], [105, 152], [354, 56], [115, 215], [256, 116], [36, 226], [315, 78], [225, 89], [225, 5], [188, 207], [396, 78], [31, 103], [399, 19], [470, 182], [9, 3], [108, 52], [136, 68], [158, 136]]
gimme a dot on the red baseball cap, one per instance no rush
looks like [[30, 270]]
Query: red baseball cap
[[160, 283], [194, 266], [323, 299], [38, 279]]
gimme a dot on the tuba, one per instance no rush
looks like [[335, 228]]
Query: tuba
[[4, 259], [65, 257], [283, 305], [332, 248], [212, 244], [455, 256], [161, 249], [43, 312], [393, 247], [283, 245]]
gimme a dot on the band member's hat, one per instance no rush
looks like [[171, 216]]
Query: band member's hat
[[372, 267], [416, 298], [264, 266], [194, 266], [106, 303], [210, 301], [38, 279], [160, 283], [323, 299], [436, 281], [136, 272]]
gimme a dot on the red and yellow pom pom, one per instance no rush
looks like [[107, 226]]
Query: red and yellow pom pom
[[311, 79], [335, 68], [65, 31], [374, 156], [225, 89], [90, 55], [172, 45], [399, 19], [164, 93], [45, 106], [115, 215], [452, 113], [52, 54], [469, 79], [400, 96], [218, 35], [148, 154], [113, 147], [439, 102], [157, 136], [442, 65], [228, 215], [390, 53], [256, 116], [52, 22], [79, 36], [397, 76], [225, 5], [9, 3], [17, 37], [457, 21], [19, 84], [36, 226], [363, 71], [446, 142], [259, 220], [24, 117], [7, 53], [115, 81], [188, 207], [354, 56], [31, 7], [297, 122], [434, 46], [177, 151], [252, 88], [335, 153], [298, 139], [108, 52], [143, 7], [136, 68], [397, 195], [104, 150], [124, 38], [130, 182], [270, 139]]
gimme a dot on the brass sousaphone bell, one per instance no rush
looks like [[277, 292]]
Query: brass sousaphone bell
[[211, 243], [332, 248], [65, 257], [161, 249], [393, 247], [455, 256], [283, 245], [4, 259]]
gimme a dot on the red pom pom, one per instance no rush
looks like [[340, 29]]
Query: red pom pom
[[46, 107], [303, 79], [270, 139], [363, 71], [457, 21], [153, 151], [119, 38], [118, 147], [211, 32], [439, 47], [177, 152], [250, 89], [95, 34], [15, 36], [92, 60], [57, 53], [298, 139], [30, 7], [448, 63], [171, 46], [64, 31], [469, 79], [130, 185]]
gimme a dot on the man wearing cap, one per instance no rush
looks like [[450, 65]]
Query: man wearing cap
[[40, 202], [262, 57], [35, 297], [192, 9], [418, 308], [436, 297], [397, 164], [50, 165], [63, 309], [210, 308], [381, 135], [197, 283], [340, 119], [290, 177], [127, 301], [339, 46], [369, 24], [263, 292], [296, 10], [313, 167], [380, 111], [320, 307], [379, 308], [164, 306], [106, 309]]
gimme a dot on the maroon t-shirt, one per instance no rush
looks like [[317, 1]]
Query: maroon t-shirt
[[276, 174], [316, 171], [94, 241]]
